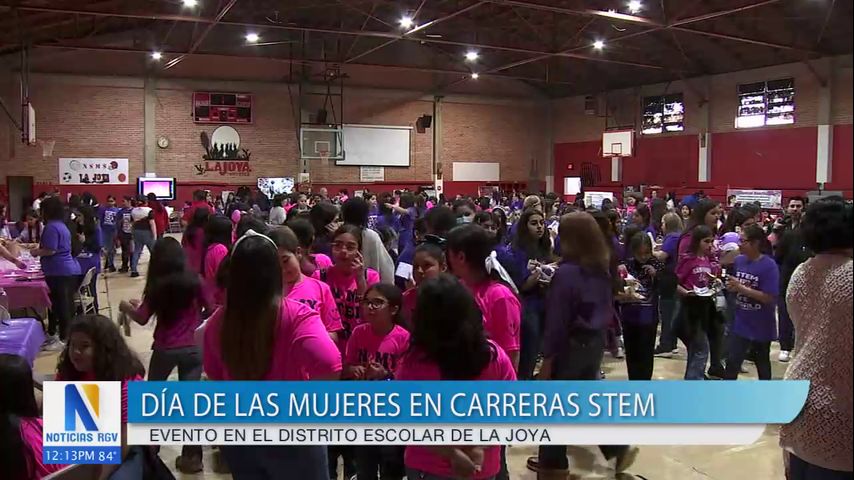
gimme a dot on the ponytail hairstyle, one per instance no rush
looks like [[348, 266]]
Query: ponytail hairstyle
[[394, 297], [170, 287]]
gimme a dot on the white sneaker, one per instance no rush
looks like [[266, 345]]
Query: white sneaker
[[743, 369], [784, 356], [53, 344]]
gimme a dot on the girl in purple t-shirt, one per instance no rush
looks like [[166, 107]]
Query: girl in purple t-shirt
[[173, 293], [756, 284]]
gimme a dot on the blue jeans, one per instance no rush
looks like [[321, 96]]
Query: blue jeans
[[531, 338], [668, 307], [141, 238], [110, 248]]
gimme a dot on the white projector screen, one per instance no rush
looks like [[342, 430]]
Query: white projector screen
[[376, 146]]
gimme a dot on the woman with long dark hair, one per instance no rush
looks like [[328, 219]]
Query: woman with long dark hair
[[324, 219], [579, 307], [60, 270], [193, 239], [21, 425], [530, 255], [90, 254], [217, 245], [448, 342], [259, 335]]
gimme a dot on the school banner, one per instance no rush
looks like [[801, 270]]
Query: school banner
[[93, 171], [766, 198]]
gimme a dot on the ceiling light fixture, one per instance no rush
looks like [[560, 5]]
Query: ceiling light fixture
[[635, 6], [190, 3], [252, 37], [472, 55], [156, 55], [475, 76], [598, 44], [406, 22]]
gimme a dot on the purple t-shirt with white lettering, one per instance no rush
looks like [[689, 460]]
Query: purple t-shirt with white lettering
[[754, 320], [56, 237]]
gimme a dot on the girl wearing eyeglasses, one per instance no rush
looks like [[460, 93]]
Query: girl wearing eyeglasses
[[348, 278], [373, 353]]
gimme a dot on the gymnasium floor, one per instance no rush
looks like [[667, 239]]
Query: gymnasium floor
[[760, 461]]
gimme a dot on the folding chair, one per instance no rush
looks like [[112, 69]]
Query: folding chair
[[84, 299]]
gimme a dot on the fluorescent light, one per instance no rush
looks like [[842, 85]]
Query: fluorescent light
[[472, 55], [406, 21], [598, 44], [190, 3], [252, 37], [475, 76], [635, 6], [156, 55]]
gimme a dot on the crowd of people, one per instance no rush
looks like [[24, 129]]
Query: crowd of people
[[406, 286]]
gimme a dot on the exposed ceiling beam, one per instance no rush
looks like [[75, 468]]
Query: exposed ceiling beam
[[365, 33], [326, 63], [201, 38], [416, 29]]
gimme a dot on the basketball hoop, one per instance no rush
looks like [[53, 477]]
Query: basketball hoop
[[324, 156], [47, 147]]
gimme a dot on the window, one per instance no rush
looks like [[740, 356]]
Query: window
[[663, 113], [766, 103]]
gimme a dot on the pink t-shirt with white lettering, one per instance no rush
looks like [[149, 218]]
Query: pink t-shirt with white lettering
[[302, 349], [178, 332], [502, 313], [344, 291], [216, 253], [317, 295], [415, 367], [31, 435], [366, 346]]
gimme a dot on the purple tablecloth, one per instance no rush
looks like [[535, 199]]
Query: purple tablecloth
[[21, 336]]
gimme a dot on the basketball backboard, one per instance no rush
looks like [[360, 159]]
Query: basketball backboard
[[322, 143], [618, 143]]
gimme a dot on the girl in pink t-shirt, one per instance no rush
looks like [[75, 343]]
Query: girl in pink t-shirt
[[428, 262], [97, 352], [258, 335], [20, 423], [373, 353], [218, 236], [449, 342], [173, 293], [193, 239], [348, 278], [469, 247], [306, 290]]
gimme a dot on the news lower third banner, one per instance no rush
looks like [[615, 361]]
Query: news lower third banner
[[474, 412]]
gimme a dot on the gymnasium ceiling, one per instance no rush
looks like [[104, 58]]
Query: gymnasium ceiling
[[525, 47]]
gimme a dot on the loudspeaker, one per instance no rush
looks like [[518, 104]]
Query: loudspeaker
[[321, 116], [423, 123]]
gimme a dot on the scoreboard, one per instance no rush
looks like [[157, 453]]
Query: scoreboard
[[211, 107]]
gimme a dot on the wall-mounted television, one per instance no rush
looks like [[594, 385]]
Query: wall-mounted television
[[163, 188], [272, 186]]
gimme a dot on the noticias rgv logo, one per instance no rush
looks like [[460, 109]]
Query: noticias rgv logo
[[76, 408]]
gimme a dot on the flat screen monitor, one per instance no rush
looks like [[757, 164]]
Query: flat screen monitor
[[272, 186], [163, 188]]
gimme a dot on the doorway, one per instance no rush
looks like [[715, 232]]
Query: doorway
[[20, 196]]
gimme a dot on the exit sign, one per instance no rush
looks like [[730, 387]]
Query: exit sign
[[570, 166]]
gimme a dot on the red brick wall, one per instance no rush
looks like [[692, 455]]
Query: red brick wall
[[103, 117]]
